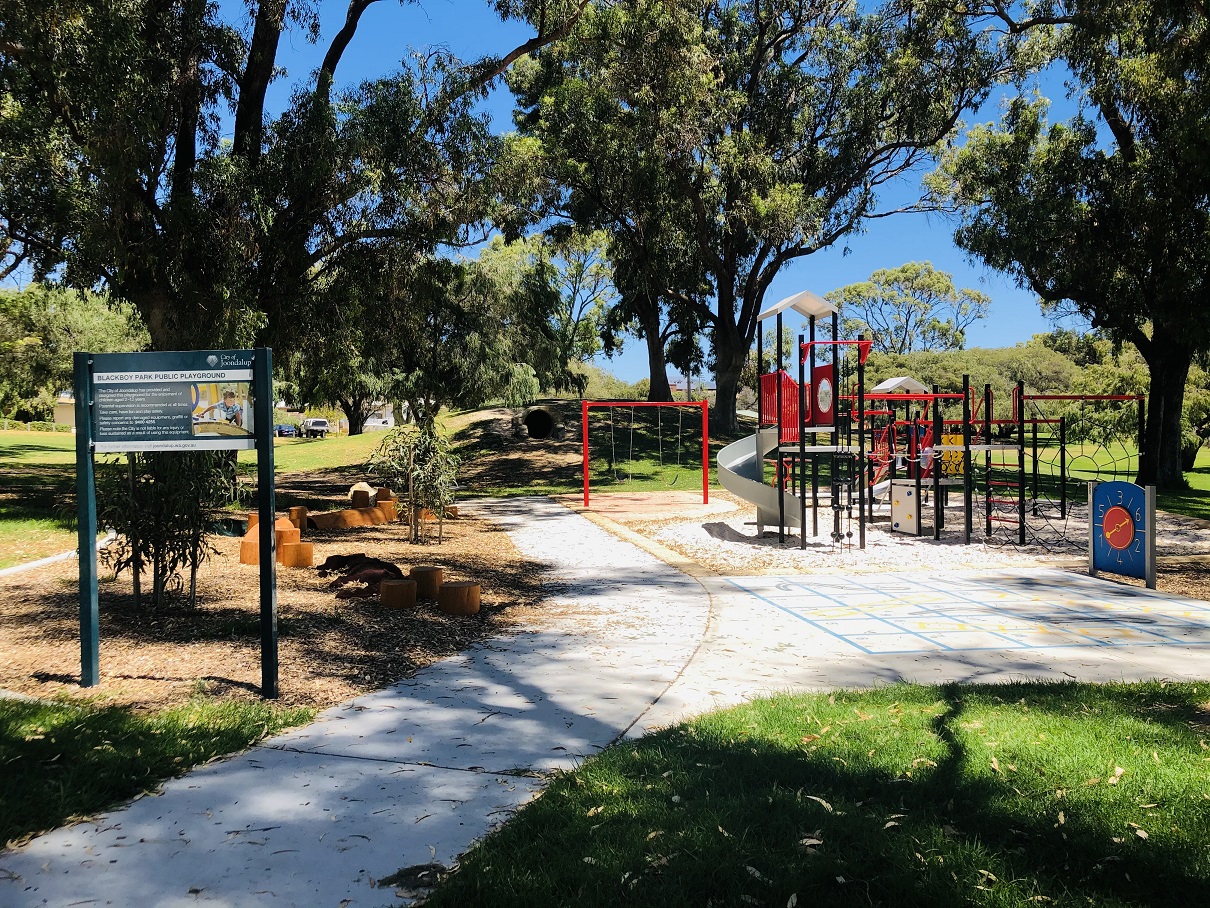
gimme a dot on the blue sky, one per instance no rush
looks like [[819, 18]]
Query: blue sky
[[468, 28]]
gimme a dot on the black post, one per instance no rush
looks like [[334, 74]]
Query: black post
[[987, 455], [802, 445], [938, 427], [1142, 432], [1034, 466], [810, 358], [262, 384], [861, 464], [1063, 469], [136, 559], [967, 484], [1021, 462], [781, 498], [86, 513]]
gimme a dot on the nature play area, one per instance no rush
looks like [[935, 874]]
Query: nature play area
[[605, 452]]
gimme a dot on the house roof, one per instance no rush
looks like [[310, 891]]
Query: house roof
[[804, 303]]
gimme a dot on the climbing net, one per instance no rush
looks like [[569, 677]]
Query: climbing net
[[646, 445], [1070, 440]]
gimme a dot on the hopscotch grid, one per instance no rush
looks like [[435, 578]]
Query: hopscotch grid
[[1110, 624]]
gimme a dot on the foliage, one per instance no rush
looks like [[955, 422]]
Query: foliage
[[68, 760], [163, 507], [1107, 212], [419, 465], [1009, 795], [912, 307], [40, 328], [116, 168], [716, 142]]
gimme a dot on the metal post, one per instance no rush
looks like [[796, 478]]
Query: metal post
[[1149, 555], [810, 357], [86, 511], [1063, 469], [1034, 464], [781, 468], [262, 378], [1021, 463], [987, 455], [802, 445], [967, 484], [706, 450], [1142, 431], [584, 443], [938, 509], [861, 464]]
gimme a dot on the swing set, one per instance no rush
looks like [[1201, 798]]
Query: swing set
[[612, 405]]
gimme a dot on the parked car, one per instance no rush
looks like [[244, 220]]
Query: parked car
[[376, 424], [315, 428], [285, 430]]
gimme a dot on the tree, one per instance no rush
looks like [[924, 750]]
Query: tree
[[717, 141], [1108, 212], [912, 307], [40, 327], [580, 278], [114, 171]]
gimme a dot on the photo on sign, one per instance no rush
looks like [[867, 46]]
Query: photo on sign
[[222, 410]]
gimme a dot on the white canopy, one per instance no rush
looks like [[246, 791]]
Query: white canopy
[[805, 303], [902, 383]]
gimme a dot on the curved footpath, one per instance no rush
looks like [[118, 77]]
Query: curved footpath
[[406, 776], [639, 638]]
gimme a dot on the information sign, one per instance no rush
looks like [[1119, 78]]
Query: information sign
[[197, 400]]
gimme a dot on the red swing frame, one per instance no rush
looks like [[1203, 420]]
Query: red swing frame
[[585, 405]]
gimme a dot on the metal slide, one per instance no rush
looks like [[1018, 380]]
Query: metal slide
[[739, 471]]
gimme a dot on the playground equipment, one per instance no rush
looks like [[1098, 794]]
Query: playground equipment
[[901, 446], [612, 405]]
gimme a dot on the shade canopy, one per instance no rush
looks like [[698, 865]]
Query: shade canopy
[[804, 303], [901, 384]]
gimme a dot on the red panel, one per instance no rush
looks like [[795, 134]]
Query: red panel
[[788, 420], [823, 393]]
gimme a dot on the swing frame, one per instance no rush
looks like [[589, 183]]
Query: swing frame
[[703, 405]]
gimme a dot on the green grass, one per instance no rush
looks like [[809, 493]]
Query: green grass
[[1008, 795], [37, 491], [62, 761]]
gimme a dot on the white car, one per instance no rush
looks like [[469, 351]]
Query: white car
[[378, 424], [315, 428]]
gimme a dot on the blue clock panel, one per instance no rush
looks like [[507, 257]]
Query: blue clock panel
[[1119, 529]]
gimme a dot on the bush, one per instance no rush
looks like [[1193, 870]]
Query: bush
[[419, 465]]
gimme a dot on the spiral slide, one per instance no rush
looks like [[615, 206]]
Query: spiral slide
[[739, 472]]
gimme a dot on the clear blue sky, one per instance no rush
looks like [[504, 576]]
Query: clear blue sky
[[468, 28]]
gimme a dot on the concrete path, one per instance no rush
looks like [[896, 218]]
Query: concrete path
[[415, 773], [406, 776]]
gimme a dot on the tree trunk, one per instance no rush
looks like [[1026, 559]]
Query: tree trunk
[[1168, 361], [730, 353], [657, 366]]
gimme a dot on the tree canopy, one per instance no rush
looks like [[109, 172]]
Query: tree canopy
[[716, 141], [1108, 212], [912, 307]]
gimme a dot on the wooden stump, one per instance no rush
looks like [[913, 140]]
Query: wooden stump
[[298, 517], [428, 581], [286, 537], [459, 597], [361, 498], [384, 494], [388, 508], [398, 593], [253, 519], [249, 550], [297, 554]]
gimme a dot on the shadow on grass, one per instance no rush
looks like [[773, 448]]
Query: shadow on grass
[[993, 795], [66, 761]]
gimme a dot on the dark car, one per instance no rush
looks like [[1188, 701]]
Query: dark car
[[285, 430]]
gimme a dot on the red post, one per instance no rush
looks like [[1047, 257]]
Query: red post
[[584, 423], [705, 453]]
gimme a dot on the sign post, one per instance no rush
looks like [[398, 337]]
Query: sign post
[[195, 400]]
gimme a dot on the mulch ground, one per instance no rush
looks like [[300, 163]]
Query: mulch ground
[[330, 650]]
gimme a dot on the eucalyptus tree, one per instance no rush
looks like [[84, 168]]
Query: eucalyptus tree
[[719, 140], [114, 170], [1108, 212], [912, 307]]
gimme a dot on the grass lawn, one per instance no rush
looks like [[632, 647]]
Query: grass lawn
[[37, 495], [1006, 795], [63, 761]]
